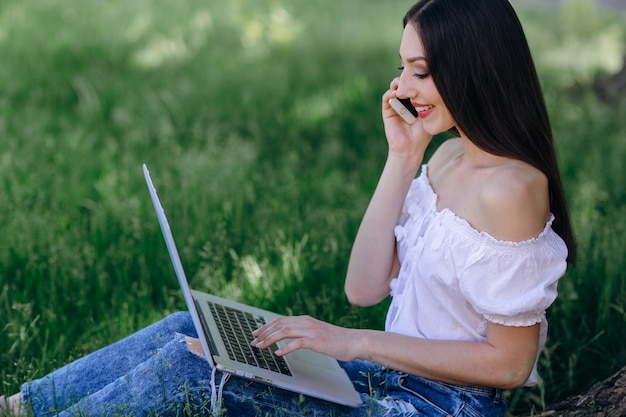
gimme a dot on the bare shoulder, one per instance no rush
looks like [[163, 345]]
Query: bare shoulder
[[446, 152], [514, 201]]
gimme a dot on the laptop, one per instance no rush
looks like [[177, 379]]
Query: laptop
[[225, 328]]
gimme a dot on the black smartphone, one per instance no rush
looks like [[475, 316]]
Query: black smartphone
[[404, 108]]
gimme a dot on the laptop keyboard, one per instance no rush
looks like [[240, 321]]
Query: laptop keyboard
[[236, 329]]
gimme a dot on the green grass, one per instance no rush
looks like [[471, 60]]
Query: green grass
[[260, 122]]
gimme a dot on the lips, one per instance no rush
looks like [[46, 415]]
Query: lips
[[423, 110]]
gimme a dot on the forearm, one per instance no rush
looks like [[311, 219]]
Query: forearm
[[455, 362], [373, 252], [504, 360]]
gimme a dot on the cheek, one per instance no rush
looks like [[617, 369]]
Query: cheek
[[439, 124], [445, 116], [449, 120]]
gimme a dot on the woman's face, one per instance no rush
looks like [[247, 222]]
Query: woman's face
[[417, 84]]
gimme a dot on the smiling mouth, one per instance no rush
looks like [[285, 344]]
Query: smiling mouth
[[424, 108]]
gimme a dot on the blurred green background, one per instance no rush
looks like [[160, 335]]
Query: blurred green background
[[260, 123]]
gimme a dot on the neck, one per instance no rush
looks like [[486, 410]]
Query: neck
[[474, 156]]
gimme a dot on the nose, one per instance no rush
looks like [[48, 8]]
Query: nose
[[405, 85]]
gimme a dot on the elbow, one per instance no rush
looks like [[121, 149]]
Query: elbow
[[513, 356], [513, 377], [362, 296], [356, 297], [512, 383], [365, 285], [358, 301]]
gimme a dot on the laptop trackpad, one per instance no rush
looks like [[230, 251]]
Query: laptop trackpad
[[311, 358]]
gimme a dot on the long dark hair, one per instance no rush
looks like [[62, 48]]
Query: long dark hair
[[481, 64]]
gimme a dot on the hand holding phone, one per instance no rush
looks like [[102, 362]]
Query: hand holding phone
[[404, 108]]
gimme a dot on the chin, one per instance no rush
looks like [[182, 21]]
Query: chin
[[433, 129]]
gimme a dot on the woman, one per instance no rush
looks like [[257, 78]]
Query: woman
[[471, 251]]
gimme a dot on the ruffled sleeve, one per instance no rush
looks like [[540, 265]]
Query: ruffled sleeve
[[513, 283]]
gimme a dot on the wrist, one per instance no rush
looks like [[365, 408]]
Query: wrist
[[362, 344], [405, 164]]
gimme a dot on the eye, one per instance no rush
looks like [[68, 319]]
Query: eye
[[420, 76]]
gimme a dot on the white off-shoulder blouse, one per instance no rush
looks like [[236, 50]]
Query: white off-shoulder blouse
[[453, 278]]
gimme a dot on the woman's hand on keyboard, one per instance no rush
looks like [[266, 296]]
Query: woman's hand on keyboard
[[306, 332]]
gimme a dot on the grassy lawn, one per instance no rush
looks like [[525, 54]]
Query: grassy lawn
[[260, 123]]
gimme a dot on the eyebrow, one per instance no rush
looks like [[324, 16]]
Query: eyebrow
[[414, 59]]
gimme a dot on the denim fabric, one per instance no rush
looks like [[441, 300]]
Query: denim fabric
[[86, 377], [152, 373]]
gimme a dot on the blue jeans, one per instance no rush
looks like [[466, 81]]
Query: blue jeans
[[153, 373]]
